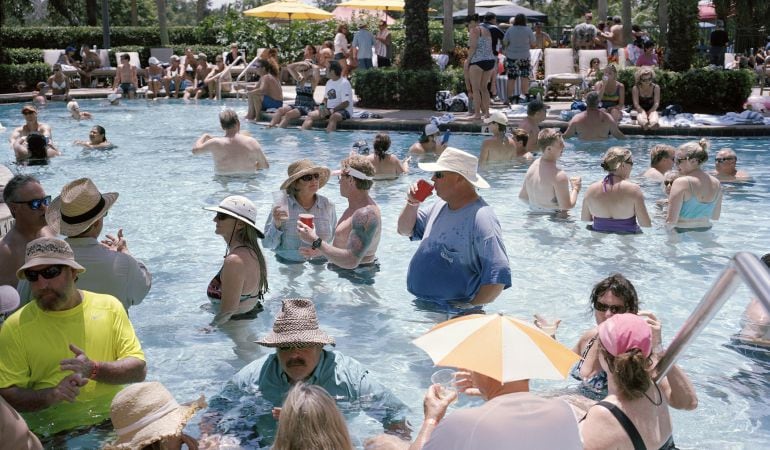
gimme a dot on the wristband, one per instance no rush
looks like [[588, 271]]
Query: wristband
[[411, 203], [94, 370]]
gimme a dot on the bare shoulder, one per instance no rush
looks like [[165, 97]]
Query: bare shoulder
[[236, 258], [367, 216]]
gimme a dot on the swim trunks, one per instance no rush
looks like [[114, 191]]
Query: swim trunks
[[270, 103], [516, 68], [127, 87]]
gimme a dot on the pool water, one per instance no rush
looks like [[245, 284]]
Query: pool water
[[554, 262]]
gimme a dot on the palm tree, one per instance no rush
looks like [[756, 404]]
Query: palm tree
[[417, 50], [162, 22], [682, 34]]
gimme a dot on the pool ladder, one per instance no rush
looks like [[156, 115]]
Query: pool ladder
[[752, 271]]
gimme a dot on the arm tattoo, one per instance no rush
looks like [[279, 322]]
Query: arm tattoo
[[365, 225]]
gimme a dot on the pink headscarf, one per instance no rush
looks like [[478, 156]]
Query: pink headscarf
[[623, 332]]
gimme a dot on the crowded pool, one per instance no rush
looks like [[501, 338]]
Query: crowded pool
[[554, 261]]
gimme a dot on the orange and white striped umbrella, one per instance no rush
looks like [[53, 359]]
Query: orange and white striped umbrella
[[500, 347]]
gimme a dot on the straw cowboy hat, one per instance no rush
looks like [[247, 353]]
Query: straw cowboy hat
[[79, 205], [144, 413], [240, 208], [457, 161], [46, 251], [295, 326], [299, 169]]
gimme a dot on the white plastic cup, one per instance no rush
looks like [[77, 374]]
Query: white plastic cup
[[281, 200]]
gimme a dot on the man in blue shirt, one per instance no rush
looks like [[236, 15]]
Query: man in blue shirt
[[461, 261], [300, 356], [363, 41]]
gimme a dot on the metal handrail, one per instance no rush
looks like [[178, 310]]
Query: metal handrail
[[237, 80], [752, 272], [227, 69]]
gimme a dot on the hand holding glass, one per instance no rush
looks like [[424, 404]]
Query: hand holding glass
[[446, 379]]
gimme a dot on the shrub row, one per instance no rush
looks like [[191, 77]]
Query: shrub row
[[28, 74], [61, 37], [404, 88]]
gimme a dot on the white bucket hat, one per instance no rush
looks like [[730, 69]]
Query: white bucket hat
[[240, 208], [431, 129], [498, 118], [457, 161]]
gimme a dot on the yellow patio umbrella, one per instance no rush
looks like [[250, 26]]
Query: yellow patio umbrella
[[500, 347], [289, 9], [379, 5]]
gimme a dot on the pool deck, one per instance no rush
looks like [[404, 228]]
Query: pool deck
[[415, 120]]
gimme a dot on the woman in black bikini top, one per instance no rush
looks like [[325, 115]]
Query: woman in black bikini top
[[646, 97]]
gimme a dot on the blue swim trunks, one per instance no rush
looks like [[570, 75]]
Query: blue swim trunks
[[269, 102]]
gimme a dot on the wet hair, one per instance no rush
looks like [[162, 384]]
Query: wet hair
[[766, 259], [631, 371], [472, 18], [520, 20], [381, 145], [228, 119], [592, 100], [699, 150], [14, 184], [614, 157], [521, 135], [621, 287], [642, 71], [335, 67], [362, 165], [535, 107], [248, 235], [547, 137], [310, 419], [269, 65], [100, 129], [659, 152]]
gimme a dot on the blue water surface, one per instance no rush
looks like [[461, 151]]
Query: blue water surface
[[554, 262]]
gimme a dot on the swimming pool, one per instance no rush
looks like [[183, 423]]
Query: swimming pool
[[554, 262]]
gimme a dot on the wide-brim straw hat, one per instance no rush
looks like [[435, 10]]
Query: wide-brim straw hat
[[144, 413], [457, 161], [296, 326], [240, 208], [79, 205], [48, 251], [299, 169]]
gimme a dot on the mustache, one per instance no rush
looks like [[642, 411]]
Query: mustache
[[295, 362]]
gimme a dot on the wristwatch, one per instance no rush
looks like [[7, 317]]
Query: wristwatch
[[317, 244]]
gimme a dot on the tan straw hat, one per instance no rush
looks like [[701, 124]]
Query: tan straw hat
[[296, 326], [79, 205], [303, 167], [144, 413], [240, 208], [47, 251], [457, 161]]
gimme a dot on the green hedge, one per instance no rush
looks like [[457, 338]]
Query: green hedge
[[28, 74], [35, 55], [21, 56], [61, 37], [698, 90], [404, 88]]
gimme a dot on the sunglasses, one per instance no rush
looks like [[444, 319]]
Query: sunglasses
[[35, 204], [438, 175], [614, 309], [629, 162], [679, 160], [222, 216], [47, 273], [27, 113], [721, 160], [668, 183], [310, 177]]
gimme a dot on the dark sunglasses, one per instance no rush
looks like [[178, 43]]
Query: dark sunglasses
[[223, 216], [679, 160], [36, 203], [47, 273], [668, 183], [629, 162], [310, 177], [438, 175], [614, 309], [26, 113], [721, 160]]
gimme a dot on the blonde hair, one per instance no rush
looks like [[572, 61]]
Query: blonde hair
[[310, 420], [699, 150], [362, 165], [659, 152], [614, 157], [547, 137], [642, 71]]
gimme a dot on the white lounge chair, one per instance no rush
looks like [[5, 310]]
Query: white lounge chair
[[560, 76], [163, 54]]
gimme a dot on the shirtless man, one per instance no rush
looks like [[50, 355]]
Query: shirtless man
[[234, 153], [268, 93], [429, 142], [219, 74], [28, 203], [31, 125], [616, 35], [358, 230], [546, 186], [202, 70], [536, 112], [593, 124], [125, 77], [726, 161], [502, 146]]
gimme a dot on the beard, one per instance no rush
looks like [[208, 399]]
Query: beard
[[49, 299]]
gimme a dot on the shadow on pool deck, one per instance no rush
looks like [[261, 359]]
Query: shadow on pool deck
[[415, 120]]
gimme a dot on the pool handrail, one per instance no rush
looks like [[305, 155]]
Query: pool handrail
[[752, 271], [237, 80], [221, 74]]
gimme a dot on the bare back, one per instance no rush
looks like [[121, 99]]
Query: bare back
[[621, 200], [387, 168], [236, 155], [541, 182], [270, 86], [496, 149], [532, 130], [591, 125]]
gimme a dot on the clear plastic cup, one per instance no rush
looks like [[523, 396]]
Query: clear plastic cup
[[446, 379], [281, 200]]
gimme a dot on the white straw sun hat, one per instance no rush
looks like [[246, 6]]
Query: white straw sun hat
[[457, 161]]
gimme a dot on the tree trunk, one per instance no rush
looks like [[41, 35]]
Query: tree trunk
[[663, 23], [91, 13], [602, 11], [162, 22], [682, 34], [134, 14], [200, 11], [448, 40], [626, 14], [471, 7], [417, 50]]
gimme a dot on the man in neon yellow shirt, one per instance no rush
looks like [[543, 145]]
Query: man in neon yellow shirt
[[64, 356]]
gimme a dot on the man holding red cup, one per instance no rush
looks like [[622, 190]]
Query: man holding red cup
[[461, 262]]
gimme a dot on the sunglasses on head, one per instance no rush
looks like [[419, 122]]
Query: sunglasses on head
[[310, 177], [614, 309], [222, 216], [47, 273], [729, 158], [36, 203]]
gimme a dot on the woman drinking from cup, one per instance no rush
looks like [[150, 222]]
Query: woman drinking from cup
[[696, 197], [301, 198], [241, 283]]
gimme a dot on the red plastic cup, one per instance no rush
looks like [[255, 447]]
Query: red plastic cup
[[307, 219], [424, 189]]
